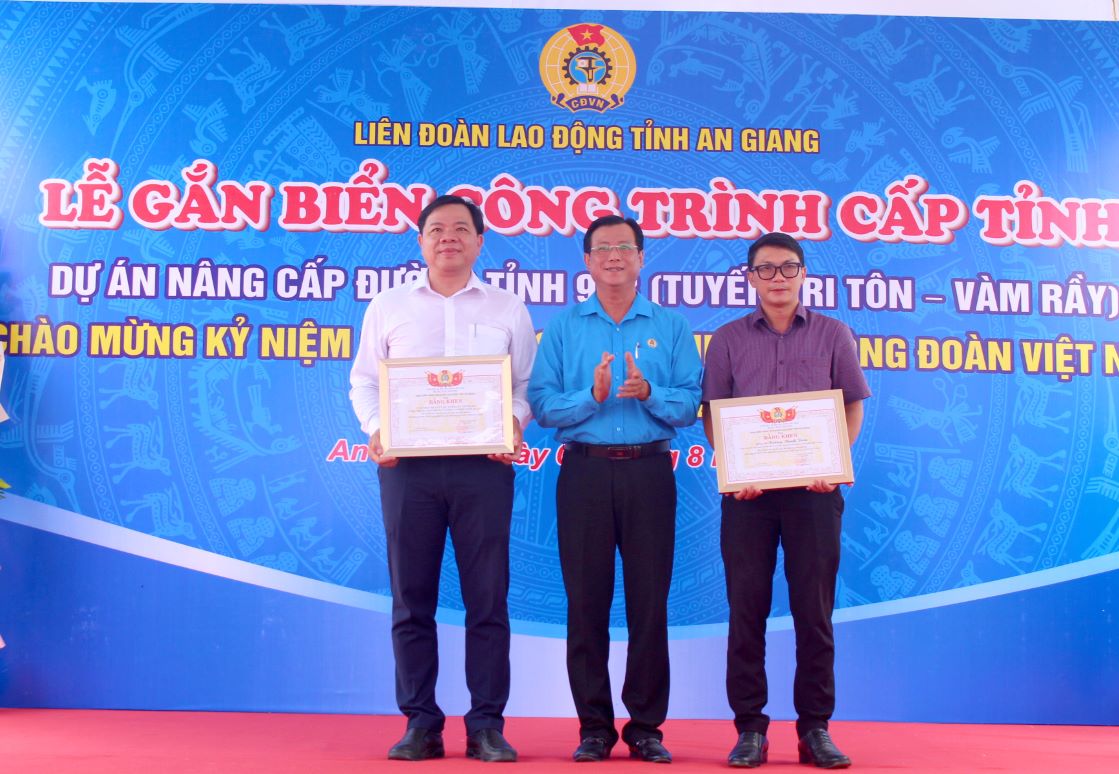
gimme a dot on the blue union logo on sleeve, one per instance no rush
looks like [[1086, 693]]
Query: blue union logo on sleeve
[[587, 67]]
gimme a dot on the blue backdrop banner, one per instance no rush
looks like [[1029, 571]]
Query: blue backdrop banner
[[198, 202]]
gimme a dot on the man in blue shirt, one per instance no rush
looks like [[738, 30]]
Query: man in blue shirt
[[616, 375]]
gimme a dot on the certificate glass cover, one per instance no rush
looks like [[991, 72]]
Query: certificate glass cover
[[446, 406], [781, 441]]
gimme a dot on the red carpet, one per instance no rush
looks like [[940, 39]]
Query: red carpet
[[61, 741]]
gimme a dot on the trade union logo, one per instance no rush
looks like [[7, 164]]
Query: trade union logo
[[588, 67], [445, 378], [778, 415]]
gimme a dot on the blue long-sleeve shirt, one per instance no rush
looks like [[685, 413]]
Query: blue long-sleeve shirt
[[559, 390]]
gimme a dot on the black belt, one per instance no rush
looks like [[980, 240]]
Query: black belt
[[633, 452]]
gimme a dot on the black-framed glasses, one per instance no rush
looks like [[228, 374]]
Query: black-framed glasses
[[768, 271]]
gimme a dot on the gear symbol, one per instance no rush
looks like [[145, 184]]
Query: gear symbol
[[607, 64]]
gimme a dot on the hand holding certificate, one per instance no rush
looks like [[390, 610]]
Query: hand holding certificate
[[781, 441], [446, 406]]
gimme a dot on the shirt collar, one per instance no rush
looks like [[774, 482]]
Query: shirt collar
[[640, 306], [424, 282], [757, 317]]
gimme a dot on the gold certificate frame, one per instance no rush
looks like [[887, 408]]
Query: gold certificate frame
[[446, 406], [781, 441]]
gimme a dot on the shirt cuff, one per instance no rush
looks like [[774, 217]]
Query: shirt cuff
[[655, 401], [588, 403]]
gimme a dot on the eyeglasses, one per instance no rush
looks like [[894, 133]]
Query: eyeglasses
[[768, 271], [603, 251]]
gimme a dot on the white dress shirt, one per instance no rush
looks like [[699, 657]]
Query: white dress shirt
[[415, 321]]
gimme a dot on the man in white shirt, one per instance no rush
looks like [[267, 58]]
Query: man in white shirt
[[447, 311]]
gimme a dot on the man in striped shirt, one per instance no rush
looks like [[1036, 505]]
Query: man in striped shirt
[[781, 347]]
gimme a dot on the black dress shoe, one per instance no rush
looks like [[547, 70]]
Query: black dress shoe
[[751, 751], [817, 748], [417, 744], [650, 750], [593, 748], [490, 746]]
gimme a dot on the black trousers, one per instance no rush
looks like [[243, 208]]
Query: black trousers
[[605, 505], [421, 498], [807, 526]]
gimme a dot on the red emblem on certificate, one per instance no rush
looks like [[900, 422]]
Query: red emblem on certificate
[[444, 378], [778, 415]]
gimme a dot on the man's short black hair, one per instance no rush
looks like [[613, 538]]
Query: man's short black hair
[[614, 220], [774, 239], [443, 201]]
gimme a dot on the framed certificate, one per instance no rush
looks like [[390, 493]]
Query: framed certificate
[[446, 405], [781, 441]]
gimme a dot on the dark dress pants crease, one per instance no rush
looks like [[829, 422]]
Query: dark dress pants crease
[[807, 526], [628, 506], [421, 499]]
